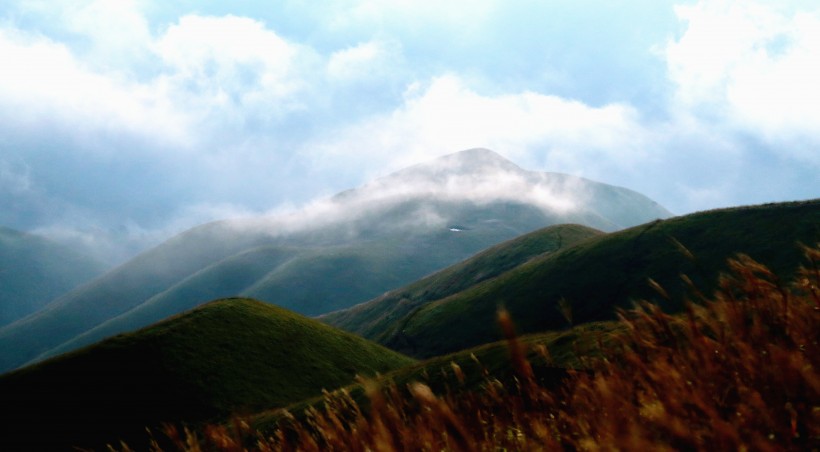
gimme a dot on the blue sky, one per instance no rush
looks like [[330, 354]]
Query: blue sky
[[122, 122]]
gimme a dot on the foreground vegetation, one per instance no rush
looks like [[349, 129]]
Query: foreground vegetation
[[735, 372]]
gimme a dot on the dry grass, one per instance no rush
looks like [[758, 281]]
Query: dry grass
[[735, 372]]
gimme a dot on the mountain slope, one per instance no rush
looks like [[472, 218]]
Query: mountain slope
[[608, 271], [229, 356], [375, 319], [34, 270], [382, 235], [314, 280]]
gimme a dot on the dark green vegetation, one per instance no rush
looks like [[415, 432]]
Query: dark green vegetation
[[34, 270], [348, 250], [377, 319], [737, 371], [228, 356], [597, 275]]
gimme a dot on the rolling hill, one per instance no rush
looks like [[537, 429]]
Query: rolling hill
[[599, 274], [35, 270], [331, 254], [376, 318], [225, 357]]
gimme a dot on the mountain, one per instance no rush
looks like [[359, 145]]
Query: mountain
[[376, 319], [35, 270], [596, 275], [225, 357], [331, 254]]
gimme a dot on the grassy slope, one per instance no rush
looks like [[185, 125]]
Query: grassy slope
[[374, 319], [233, 355], [34, 270], [612, 270]]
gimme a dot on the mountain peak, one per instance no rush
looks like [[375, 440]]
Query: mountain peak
[[470, 162], [474, 154]]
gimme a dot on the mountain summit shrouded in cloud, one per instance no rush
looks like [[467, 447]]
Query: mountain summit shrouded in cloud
[[126, 122], [331, 254]]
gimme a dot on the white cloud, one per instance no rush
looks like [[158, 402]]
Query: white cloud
[[445, 116], [117, 29], [365, 61], [42, 81], [227, 53], [220, 71], [754, 67]]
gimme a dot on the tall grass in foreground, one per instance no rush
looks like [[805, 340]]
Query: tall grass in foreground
[[736, 372]]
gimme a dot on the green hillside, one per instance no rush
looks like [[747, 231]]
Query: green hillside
[[35, 270], [229, 356], [608, 271], [375, 319]]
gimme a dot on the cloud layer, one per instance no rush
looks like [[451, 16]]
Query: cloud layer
[[141, 118]]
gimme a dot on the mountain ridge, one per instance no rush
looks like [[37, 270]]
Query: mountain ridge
[[372, 318], [597, 275], [381, 235]]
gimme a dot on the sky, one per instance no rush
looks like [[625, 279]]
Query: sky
[[123, 122]]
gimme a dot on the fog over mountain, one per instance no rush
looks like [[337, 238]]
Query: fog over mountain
[[333, 253], [35, 270]]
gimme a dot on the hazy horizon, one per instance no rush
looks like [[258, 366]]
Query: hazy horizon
[[124, 122]]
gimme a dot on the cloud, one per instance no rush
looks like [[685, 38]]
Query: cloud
[[223, 60], [445, 115], [103, 102], [366, 61], [44, 83], [752, 66], [195, 74], [478, 177]]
